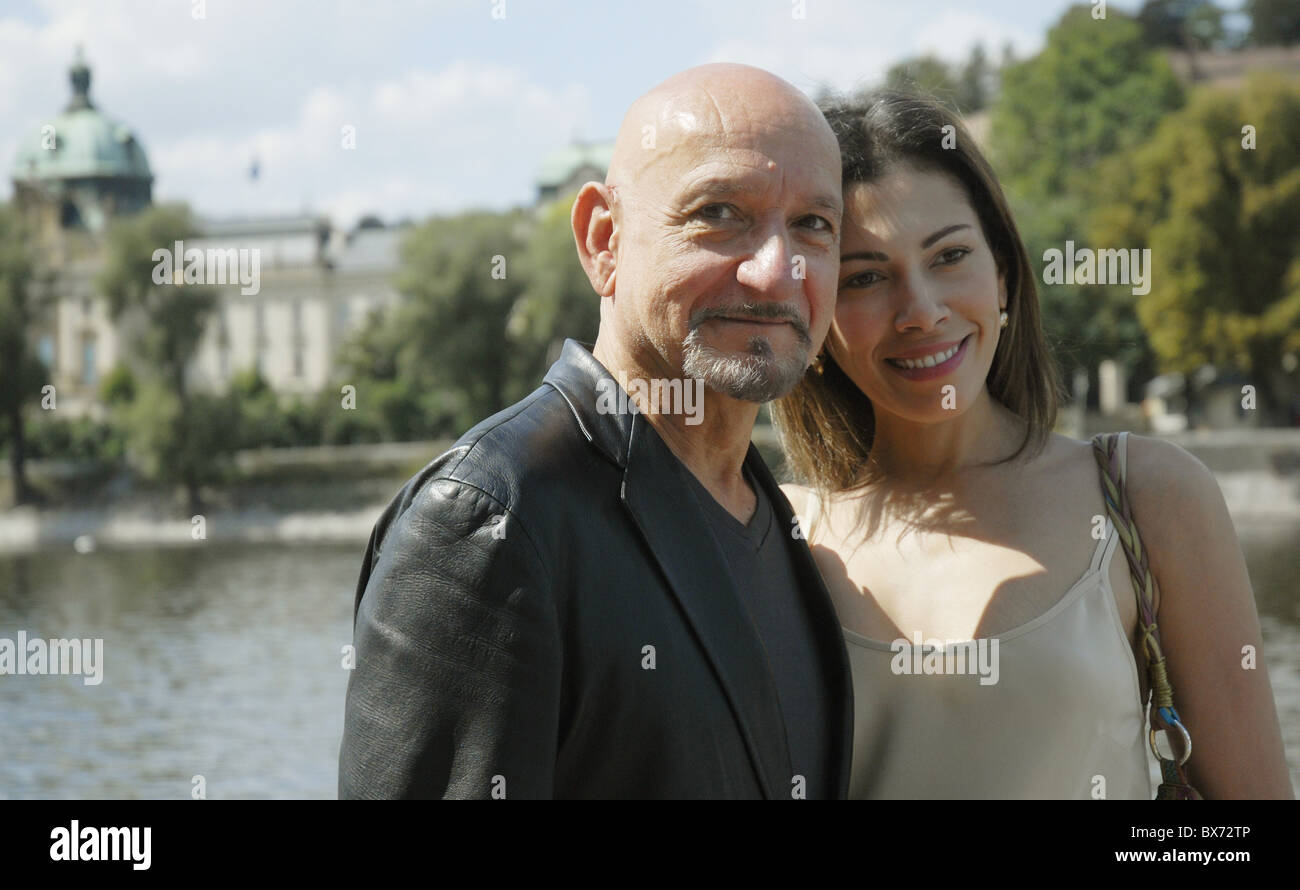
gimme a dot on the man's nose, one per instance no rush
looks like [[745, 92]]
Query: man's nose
[[771, 268], [918, 305]]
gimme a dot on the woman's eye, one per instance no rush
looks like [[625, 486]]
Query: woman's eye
[[862, 279], [952, 255]]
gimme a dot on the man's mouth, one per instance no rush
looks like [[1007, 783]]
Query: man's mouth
[[746, 319]]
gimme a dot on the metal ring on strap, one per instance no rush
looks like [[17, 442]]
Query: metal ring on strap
[[1187, 742]]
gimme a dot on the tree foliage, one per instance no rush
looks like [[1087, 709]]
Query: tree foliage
[[1222, 221], [1096, 90], [23, 304], [177, 436], [1273, 22]]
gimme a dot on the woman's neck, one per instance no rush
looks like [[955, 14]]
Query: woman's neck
[[916, 455]]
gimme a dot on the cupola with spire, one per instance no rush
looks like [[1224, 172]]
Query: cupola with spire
[[81, 167]]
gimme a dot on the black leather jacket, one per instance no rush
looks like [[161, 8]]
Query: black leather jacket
[[504, 606]]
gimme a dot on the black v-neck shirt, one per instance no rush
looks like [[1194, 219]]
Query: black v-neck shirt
[[761, 561]]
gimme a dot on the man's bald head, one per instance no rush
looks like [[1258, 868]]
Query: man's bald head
[[715, 236], [715, 103]]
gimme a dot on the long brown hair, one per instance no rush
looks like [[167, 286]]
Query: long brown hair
[[826, 425]]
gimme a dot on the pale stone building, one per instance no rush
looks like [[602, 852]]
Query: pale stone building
[[80, 169]]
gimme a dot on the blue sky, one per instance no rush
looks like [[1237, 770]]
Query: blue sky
[[453, 107]]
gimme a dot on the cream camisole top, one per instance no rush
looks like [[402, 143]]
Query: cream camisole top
[[1051, 711]]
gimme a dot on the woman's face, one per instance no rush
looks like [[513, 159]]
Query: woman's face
[[916, 278]]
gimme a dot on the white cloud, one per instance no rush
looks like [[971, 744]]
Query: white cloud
[[435, 131], [207, 96], [428, 140], [841, 44], [954, 32]]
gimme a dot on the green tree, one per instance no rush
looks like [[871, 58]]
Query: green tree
[[23, 304], [973, 90], [441, 360], [490, 298], [927, 75], [368, 362], [557, 301], [1095, 90], [1181, 24], [1222, 221], [1273, 22], [163, 324], [181, 439]]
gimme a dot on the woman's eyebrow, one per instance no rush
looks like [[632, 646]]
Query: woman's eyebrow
[[880, 256], [946, 230], [874, 256]]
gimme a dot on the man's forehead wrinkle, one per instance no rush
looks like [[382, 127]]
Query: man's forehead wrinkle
[[706, 111]]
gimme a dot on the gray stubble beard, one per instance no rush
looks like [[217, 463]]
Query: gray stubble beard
[[757, 375]]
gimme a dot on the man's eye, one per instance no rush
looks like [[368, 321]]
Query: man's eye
[[862, 279], [817, 223], [718, 212], [952, 255]]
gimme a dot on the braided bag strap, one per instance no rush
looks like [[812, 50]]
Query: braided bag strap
[[1162, 714]]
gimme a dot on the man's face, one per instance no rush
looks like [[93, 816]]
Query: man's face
[[728, 251]]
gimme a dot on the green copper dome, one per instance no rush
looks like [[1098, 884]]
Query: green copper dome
[[81, 142]]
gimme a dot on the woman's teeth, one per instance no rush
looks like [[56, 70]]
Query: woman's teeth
[[928, 361]]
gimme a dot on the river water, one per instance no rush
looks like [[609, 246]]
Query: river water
[[225, 662]]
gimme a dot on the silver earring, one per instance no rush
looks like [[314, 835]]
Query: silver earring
[[1002, 319]]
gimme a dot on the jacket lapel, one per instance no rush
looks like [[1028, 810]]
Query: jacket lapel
[[655, 492], [830, 636], [658, 497]]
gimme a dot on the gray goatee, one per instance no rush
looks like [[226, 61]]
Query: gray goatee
[[757, 374]]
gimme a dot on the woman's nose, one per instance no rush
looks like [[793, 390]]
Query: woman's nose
[[918, 305]]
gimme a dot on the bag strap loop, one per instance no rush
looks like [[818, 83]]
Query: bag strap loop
[[1162, 715]]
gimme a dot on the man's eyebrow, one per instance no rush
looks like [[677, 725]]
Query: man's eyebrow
[[826, 202], [715, 187], [711, 187], [877, 256]]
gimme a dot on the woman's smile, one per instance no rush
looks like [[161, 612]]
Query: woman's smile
[[929, 368]]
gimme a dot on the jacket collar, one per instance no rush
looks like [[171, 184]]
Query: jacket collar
[[654, 485], [576, 374]]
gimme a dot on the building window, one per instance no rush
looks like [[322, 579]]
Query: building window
[[297, 338], [89, 370], [45, 351], [223, 345], [259, 338]]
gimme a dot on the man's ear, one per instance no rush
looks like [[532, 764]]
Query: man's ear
[[596, 236]]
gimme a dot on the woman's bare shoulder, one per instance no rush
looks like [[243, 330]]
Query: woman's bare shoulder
[[1163, 476], [1180, 512]]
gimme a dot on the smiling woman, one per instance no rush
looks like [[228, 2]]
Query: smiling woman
[[828, 423], [943, 506]]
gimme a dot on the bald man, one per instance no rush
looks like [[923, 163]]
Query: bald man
[[600, 592]]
